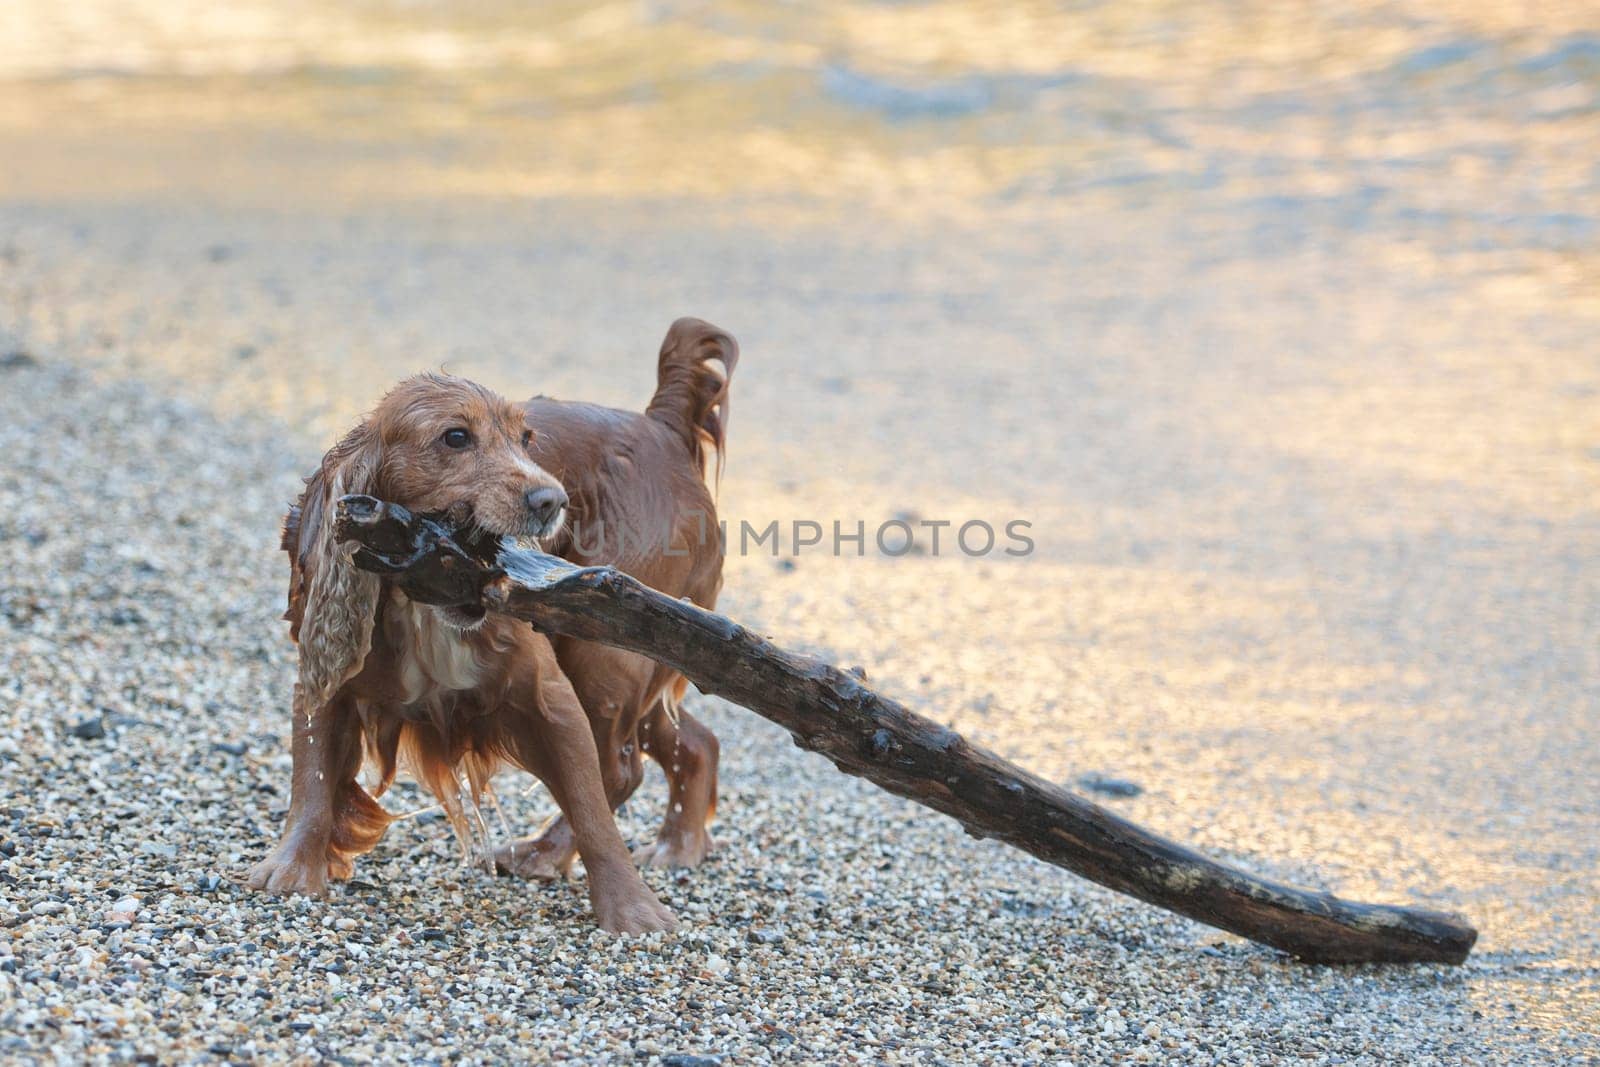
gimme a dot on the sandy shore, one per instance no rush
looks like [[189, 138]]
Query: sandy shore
[[1291, 367], [1340, 670]]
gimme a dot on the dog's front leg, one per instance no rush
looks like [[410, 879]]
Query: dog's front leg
[[568, 762], [325, 748]]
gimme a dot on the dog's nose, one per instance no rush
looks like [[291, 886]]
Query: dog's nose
[[546, 503]]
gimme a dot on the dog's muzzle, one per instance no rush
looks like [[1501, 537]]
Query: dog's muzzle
[[547, 507]]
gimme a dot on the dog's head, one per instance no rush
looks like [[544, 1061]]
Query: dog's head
[[445, 445], [435, 444]]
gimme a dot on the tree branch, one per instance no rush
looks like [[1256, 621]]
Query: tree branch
[[872, 736]]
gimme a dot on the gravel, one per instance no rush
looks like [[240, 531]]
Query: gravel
[[834, 923]]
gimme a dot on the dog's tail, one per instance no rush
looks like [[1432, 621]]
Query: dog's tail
[[692, 377]]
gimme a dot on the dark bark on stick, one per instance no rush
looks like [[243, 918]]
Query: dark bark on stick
[[872, 736]]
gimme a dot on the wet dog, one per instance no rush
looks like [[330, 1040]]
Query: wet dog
[[452, 695]]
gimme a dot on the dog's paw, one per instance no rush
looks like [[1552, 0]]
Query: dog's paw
[[291, 871], [675, 848], [632, 913], [533, 858]]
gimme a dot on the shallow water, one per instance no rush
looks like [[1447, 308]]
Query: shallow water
[[1454, 121]]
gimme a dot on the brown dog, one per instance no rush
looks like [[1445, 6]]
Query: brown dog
[[453, 694]]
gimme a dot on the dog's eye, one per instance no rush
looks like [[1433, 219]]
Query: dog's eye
[[527, 438], [456, 438]]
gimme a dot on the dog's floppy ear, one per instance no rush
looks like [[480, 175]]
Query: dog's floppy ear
[[331, 602]]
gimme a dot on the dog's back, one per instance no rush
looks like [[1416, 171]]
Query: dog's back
[[637, 482]]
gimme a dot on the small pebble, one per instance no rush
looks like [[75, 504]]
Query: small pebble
[[91, 728], [1108, 786]]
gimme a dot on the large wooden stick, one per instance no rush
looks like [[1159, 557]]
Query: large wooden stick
[[870, 735]]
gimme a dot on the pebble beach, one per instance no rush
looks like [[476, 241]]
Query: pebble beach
[[1288, 363]]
